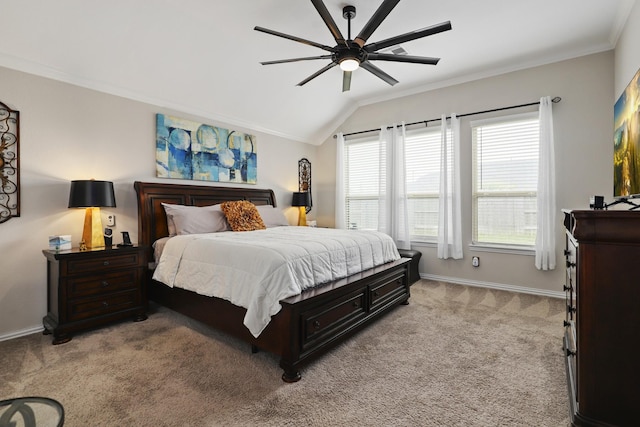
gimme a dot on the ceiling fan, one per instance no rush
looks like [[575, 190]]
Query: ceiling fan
[[351, 54]]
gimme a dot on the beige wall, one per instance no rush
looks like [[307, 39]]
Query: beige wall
[[627, 57], [583, 124], [68, 132]]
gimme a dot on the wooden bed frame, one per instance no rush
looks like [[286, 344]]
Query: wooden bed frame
[[308, 324]]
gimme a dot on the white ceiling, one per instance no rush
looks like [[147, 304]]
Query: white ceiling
[[201, 57]]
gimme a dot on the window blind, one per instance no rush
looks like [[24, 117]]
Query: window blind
[[505, 176], [362, 176], [423, 182]]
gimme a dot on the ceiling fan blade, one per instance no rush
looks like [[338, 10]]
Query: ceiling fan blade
[[413, 35], [402, 58], [328, 20], [346, 81], [294, 38], [378, 72], [385, 8], [317, 73], [307, 58]]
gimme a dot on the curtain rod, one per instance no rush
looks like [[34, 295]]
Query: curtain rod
[[426, 122]]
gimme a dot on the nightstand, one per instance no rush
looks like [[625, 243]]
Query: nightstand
[[87, 289]]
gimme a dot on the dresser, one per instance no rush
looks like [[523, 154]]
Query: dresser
[[87, 289], [602, 325]]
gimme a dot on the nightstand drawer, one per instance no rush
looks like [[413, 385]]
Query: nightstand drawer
[[88, 308], [105, 284], [94, 265]]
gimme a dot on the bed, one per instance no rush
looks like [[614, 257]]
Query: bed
[[308, 324]]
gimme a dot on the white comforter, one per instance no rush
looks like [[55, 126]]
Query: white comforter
[[257, 269]]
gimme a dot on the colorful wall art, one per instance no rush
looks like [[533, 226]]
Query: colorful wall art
[[201, 152], [626, 141]]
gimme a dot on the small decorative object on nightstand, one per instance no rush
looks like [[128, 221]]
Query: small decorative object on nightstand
[[91, 288]]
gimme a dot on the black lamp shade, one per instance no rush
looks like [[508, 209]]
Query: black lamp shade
[[92, 194], [300, 199]]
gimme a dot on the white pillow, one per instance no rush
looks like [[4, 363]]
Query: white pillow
[[272, 217], [183, 219]]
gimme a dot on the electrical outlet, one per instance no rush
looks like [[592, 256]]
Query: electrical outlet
[[111, 220], [475, 261]]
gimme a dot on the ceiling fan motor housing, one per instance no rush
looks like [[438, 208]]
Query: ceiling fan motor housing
[[353, 52]]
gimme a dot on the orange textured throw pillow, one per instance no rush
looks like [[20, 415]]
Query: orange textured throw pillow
[[242, 216]]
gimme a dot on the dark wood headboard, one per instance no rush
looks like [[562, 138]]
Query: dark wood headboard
[[152, 221]]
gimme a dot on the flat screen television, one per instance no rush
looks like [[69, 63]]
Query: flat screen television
[[626, 142]]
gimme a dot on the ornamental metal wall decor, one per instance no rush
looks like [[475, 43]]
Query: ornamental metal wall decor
[[304, 179], [9, 163]]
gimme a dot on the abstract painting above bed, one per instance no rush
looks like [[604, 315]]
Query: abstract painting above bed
[[202, 152]]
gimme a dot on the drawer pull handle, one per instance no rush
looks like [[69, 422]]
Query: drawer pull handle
[[570, 353], [105, 304], [570, 264], [104, 283], [571, 309], [566, 324], [356, 304], [376, 294], [316, 324], [567, 288], [105, 263]]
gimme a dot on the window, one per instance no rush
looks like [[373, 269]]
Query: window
[[363, 177], [505, 180], [423, 181]]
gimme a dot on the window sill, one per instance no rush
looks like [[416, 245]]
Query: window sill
[[424, 242], [503, 249]]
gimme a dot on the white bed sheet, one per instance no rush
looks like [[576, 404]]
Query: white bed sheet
[[258, 269]]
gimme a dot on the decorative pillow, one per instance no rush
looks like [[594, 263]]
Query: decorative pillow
[[242, 216], [271, 216], [183, 219]]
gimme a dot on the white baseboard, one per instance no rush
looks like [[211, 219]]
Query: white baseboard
[[490, 285], [22, 333]]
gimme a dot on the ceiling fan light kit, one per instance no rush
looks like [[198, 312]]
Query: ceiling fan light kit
[[351, 54], [349, 64]]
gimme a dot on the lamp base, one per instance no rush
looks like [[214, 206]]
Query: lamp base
[[302, 219], [92, 232]]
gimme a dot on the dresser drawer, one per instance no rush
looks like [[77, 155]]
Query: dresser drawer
[[105, 263], [340, 314], [86, 308], [387, 291], [84, 286]]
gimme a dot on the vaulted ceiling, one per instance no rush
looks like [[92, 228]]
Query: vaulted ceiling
[[202, 57]]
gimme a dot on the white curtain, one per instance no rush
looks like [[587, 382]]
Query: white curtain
[[393, 214], [546, 232], [449, 213], [340, 216]]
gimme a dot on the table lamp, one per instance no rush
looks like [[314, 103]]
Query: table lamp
[[301, 200], [92, 195]]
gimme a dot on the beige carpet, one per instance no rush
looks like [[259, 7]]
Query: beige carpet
[[456, 356]]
